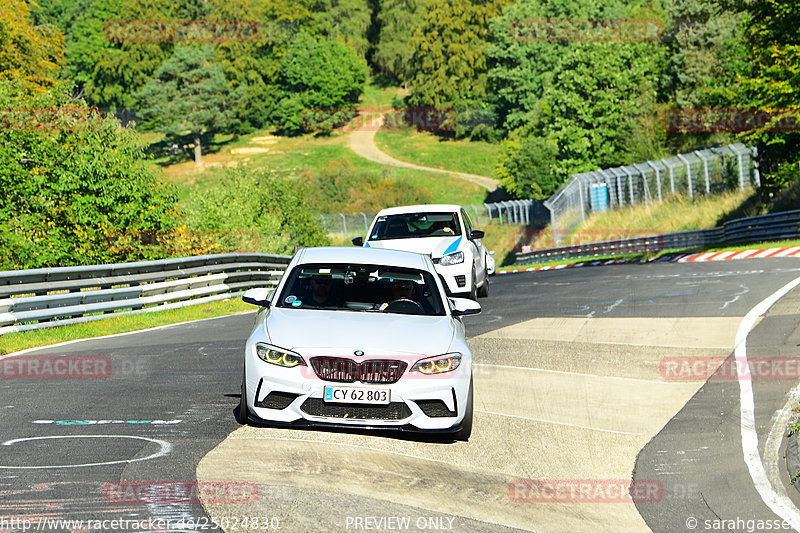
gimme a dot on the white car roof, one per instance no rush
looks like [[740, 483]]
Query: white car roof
[[352, 254], [422, 208]]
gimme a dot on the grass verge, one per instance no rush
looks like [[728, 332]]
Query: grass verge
[[426, 149], [14, 342]]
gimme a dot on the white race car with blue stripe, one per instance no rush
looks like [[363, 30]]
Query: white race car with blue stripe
[[446, 234]]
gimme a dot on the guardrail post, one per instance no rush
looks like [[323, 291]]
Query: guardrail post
[[344, 223]]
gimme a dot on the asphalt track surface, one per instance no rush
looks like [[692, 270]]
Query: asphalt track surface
[[70, 448]]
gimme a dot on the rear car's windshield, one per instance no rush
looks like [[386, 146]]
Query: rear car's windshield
[[413, 225], [360, 287]]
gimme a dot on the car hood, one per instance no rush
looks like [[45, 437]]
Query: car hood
[[343, 332], [433, 246]]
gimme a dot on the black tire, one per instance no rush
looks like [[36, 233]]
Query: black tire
[[465, 431], [473, 293], [244, 412], [483, 290]]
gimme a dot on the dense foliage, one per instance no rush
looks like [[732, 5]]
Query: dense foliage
[[75, 189]]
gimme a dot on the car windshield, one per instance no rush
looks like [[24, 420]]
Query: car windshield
[[414, 225], [360, 287]]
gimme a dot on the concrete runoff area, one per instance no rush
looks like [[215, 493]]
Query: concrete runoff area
[[562, 399]]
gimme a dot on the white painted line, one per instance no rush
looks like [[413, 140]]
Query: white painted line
[[781, 506], [563, 424], [567, 373], [165, 448], [787, 251]]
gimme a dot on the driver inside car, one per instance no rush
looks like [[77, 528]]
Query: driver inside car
[[401, 290]]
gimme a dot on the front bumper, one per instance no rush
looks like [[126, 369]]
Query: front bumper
[[417, 402], [457, 278]]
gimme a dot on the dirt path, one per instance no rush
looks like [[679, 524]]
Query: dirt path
[[362, 142]]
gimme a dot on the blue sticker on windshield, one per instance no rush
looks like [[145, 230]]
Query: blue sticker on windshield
[[297, 303], [291, 298]]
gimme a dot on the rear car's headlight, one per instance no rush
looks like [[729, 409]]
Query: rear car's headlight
[[278, 356], [437, 365], [452, 259]]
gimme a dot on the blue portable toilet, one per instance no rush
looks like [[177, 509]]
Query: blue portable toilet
[[599, 197]]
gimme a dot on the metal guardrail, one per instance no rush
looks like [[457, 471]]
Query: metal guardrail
[[48, 297], [777, 226]]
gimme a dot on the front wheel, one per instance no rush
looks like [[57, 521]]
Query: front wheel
[[466, 424], [483, 290]]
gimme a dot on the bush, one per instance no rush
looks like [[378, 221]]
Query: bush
[[73, 185], [255, 211]]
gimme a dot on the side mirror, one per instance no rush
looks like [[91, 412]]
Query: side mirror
[[464, 306], [476, 234], [358, 241], [257, 296]]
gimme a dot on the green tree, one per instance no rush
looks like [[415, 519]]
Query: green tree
[[397, 21], [526, 167], [522, 60], [188, 93], [29, 53], [253, 64], [73, 185], [773, 41], [320, 81], [706, 55], [448, 67], [347, 20], [599, 95]]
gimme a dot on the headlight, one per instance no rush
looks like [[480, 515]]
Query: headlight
[[278, 356], [438, 365], [452, 259]]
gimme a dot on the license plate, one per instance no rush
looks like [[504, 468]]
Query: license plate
[[356, 395]]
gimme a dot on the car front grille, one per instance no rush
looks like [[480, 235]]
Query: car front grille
[[435, 408], [343, 370], [461, 280], [393, 411]]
